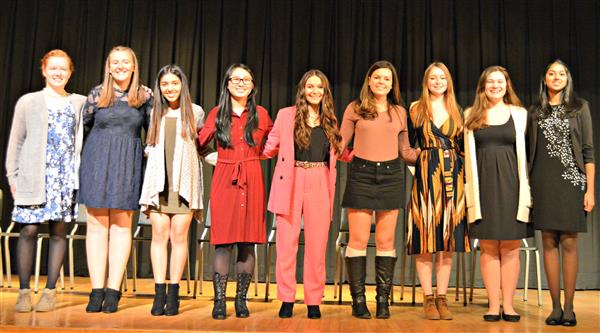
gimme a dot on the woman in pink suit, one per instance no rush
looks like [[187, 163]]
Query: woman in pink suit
[[307, 140]]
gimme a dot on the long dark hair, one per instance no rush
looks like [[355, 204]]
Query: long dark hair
[[365, 105], [568, 98], [225, 108], [326, 114], [161, 107]]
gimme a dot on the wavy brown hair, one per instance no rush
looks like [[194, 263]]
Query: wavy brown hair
[[477, 116], [365, 106], [326, 114], [137, 96], [161, 107], [421, 109]]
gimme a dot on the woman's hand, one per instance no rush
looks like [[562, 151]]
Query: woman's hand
[[13, 190], [588, 201]]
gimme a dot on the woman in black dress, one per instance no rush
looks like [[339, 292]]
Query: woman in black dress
[[497, 188], [561, 158], [111, 172]]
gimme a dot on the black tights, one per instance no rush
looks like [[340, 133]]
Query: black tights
[[26, 252], [245, 258], [553, 240]]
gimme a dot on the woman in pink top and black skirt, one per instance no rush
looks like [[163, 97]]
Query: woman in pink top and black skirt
[[377, 121]]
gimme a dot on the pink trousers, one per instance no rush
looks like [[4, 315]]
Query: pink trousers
[[309, 204]]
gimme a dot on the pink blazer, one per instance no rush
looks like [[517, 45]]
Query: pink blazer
[[281, 140]]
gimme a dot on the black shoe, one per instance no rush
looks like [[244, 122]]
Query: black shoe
[[286, 310], [384, 270], [314, 312], [160, 297], [241, 293], [569, 321], [357, 271], [511, 318], [172, 306], [220, 287], [96, 299], [111, 301], [491, 317], [555, 321]]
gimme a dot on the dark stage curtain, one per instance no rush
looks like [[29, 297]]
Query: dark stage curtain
[[280, 40]]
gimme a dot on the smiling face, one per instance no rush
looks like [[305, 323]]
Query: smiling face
[[57, 71], [170, 88], [437, 83], [240, 83], [556, 77], [314, 90], [495, 86], [121, 66], [380, 82]]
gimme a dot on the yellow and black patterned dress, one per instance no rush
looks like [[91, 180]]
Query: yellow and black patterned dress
[[436, 218]]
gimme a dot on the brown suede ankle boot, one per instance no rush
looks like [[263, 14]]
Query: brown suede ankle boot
[[431, 311], [441, 303]]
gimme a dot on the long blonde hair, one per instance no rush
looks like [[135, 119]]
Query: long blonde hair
[[136, 96], [477, 116], [421, 109]]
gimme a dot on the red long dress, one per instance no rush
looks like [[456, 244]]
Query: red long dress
[[237, 193]]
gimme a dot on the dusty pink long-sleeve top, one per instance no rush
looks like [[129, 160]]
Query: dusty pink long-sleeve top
[[379, 139]]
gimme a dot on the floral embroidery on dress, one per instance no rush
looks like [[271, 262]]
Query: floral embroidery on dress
[[60, 172], [556, 130]]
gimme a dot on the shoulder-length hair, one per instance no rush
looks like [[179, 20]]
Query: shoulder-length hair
[[421, 111], [136, 96], [477, 116], [223, 121], [568, 98], [326, 114], [365, 106], [161, 107]]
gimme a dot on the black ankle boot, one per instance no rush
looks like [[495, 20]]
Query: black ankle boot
[[357, 271], [241, 294], [286, 310], [313, 312], [96, 299], [160, 295], [172, 307], [111, 301], [384, 270], [220, 287]]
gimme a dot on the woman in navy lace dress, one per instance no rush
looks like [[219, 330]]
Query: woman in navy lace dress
[[111, 172]]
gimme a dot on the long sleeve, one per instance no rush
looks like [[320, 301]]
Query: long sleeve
[[348, 125], [89, 110], [407, 153], [206, 134], [271, 147], [587, 136], [18, 133]]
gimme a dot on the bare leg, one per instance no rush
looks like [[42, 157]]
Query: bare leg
[[424, 263], [443, 268], [359, 223], [161, 225], [180, 224], [490, 272], [119, 246], [96, 245], [509, 266]]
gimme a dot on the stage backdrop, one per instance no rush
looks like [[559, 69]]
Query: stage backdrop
[[280, 40]]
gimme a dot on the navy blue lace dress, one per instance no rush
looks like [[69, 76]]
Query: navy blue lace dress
[[111, 161]]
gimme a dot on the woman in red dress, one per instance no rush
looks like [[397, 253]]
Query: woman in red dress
[[237, 204]]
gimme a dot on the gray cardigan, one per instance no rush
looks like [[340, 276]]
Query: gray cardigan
[[26, 153]]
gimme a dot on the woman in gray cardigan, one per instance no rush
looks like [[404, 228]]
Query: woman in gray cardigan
[[561, 158], [42, 162], [172, 188]]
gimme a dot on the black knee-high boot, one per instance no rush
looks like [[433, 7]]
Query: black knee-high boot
[[384, 269], [357, 272]]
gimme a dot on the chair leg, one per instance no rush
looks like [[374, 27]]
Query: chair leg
[[124, 284], [71, 265], [473, 264], [526, 281], [464, 279], [340, 287], [62, 277], [402, 274], [336, 272], [201, 269], [538, 276], [7, 257], [457, 277], [1, 272], [255, 271], [413, 270], [268, 272], [38, 259], [187, 273], [196, 274]]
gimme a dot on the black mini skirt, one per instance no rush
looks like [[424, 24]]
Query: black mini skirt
[[374, 185]]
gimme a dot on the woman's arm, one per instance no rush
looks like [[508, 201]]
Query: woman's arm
[[588, 198], [207, 132], [18, 133], [271, 147]]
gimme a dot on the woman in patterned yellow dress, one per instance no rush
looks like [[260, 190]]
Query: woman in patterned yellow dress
[[436, 222]]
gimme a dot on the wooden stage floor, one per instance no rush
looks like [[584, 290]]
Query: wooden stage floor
[[134, 314]]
